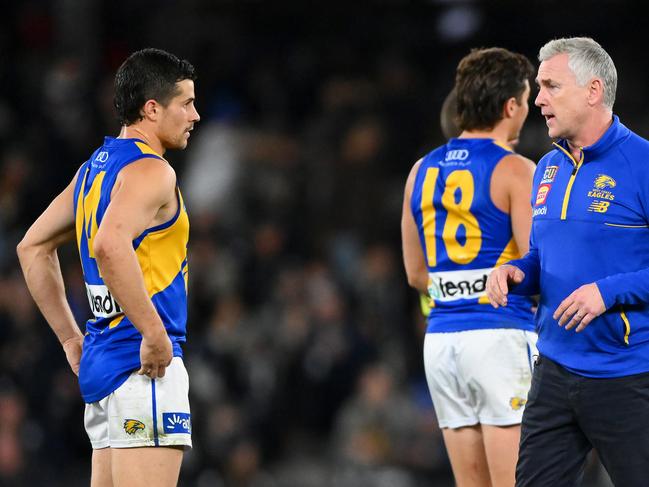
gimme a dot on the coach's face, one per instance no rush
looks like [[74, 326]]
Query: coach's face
[[563, 103], [178, 117]]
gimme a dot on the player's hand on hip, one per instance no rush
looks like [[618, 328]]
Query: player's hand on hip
[[580, 308], [73, 348], [156, 353], [499, 282]]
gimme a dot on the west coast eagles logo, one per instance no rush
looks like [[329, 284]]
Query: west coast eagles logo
[[517, 402], [602, 187], [603, 181], [132, 426]]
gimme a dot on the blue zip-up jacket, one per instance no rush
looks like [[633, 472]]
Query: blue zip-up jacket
[[590, 224]]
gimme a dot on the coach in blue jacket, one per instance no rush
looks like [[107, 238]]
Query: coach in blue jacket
[[589, 261]]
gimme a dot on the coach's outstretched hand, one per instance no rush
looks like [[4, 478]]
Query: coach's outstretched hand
[[156, 353], [499, 281]]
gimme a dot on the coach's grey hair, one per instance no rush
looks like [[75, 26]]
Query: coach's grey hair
[[588, 60]]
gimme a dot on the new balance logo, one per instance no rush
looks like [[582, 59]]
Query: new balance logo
[[598, 206]]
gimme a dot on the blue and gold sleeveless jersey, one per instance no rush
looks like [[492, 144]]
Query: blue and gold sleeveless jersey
[[464, 236], [111, 349]]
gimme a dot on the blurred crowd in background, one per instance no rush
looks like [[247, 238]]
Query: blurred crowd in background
[[304, 342]]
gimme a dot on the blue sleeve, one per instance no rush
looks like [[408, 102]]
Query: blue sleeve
[[625, 288], [531, 266]]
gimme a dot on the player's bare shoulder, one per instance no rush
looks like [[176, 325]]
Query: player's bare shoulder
[[512, 173], [147, 174], [412, 175]]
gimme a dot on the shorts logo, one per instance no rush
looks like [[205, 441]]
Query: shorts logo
[[517, 403], [599, 206], [542, 194], [132, 426], [549, 174], [177, 423]]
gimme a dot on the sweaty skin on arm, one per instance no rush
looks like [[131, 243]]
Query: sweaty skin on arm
[[413, 255], [39, 261], [144, 196], [511, 189]]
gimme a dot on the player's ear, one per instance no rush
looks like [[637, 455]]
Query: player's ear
[[150, 110], [509, 108]]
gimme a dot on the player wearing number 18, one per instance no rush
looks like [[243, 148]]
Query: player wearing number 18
[[466, 210]]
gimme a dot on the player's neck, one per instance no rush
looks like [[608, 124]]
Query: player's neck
[[139, 131], [499, 132]]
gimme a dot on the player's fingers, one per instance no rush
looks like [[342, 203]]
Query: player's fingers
[[562, 307], [153, 372], [161, 371], [585, 321], [571, 316]]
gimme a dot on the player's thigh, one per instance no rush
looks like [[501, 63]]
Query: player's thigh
[[465, 449], [501, 449], [453, 404], [101, 475], [146, 467]]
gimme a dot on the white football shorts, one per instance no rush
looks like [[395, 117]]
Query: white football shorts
[[143, 412], [479, 376]]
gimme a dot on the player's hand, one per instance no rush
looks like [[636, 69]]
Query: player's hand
[[499, 282], [580, 308], [73, 348], [156, 353]]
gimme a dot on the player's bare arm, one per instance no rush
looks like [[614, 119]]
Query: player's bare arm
[[144, 196], [511, 188], [413, 256], [39, 260]]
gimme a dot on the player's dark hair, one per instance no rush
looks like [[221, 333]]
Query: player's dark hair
[[149, 74], [485, 79]]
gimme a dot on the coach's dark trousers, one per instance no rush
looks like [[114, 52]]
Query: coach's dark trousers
[[567, 415]]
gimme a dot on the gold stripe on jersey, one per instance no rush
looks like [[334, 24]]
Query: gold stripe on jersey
[[502, 145], [80, 216], [87, 216], [116, 321], [161, 254], [146, 149], [510, 252]]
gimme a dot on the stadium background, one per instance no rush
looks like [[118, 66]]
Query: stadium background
[[304, 342]]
